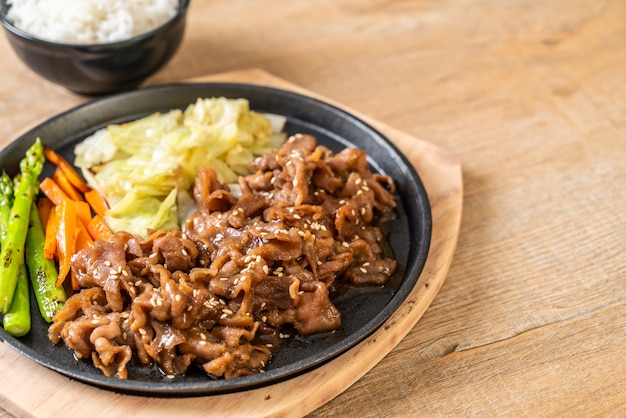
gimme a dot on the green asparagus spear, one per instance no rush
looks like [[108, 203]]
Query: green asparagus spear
[[43, 272], [12, 253], [6, 201], [17, 320]]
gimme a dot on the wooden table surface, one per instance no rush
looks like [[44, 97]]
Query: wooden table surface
[[531, 96]]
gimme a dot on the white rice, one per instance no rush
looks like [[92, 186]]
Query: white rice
[[89, 21]]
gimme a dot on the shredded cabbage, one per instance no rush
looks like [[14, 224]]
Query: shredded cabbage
[[145, 166]]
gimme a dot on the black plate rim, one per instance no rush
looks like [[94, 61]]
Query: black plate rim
[[273, 376]]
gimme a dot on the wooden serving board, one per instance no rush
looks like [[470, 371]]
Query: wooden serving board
[[29, 389]]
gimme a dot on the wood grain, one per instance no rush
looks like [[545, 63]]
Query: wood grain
[[531, 96]]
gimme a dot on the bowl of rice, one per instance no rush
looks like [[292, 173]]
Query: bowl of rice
[[94, 47]]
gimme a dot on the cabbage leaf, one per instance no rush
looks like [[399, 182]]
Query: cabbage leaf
[[142, 166]]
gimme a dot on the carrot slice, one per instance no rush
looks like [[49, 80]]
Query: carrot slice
[[66, 237], [83, 238], [51, 189], [97, 202], [45, 207], [98, 228], [69, 171], [68, 188], [83, 211], [50, 240], [74, 281]]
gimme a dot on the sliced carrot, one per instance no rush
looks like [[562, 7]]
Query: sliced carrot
[[45, 207], [75, 285], [97, 202], [68, 188], [98, 228], [83, 211], [51, 189], [50, 240], [83, 238], [69, 171], [66, 237]]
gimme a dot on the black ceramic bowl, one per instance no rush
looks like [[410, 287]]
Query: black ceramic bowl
[[96, 69]]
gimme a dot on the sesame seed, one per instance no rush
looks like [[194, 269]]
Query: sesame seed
[[266, 269], [345, 244], [202, 342], [107, 263], [178, 297], [363, 270]]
